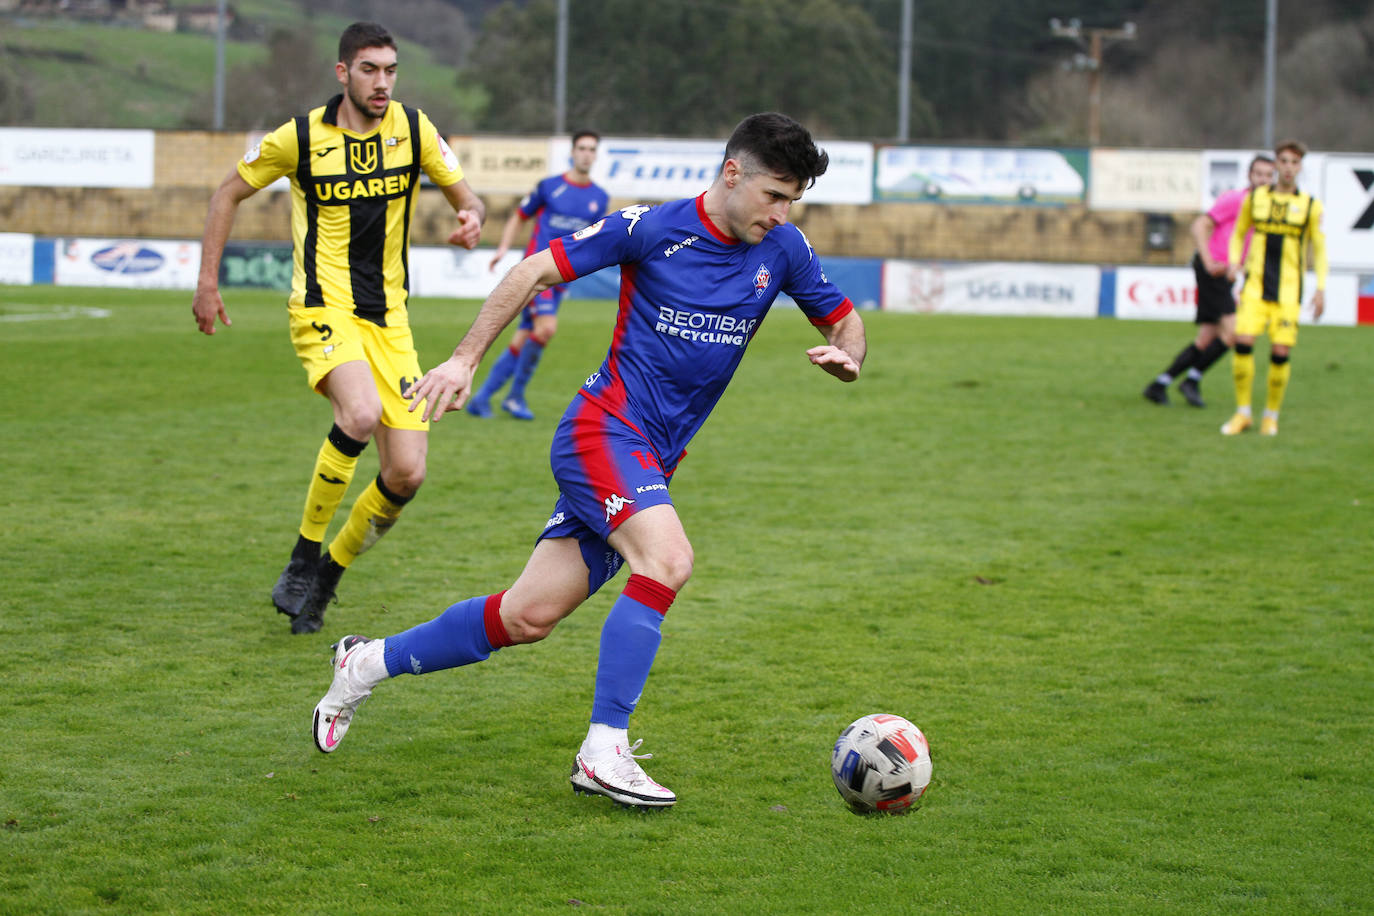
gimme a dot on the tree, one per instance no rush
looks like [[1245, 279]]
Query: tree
[[692, 68]]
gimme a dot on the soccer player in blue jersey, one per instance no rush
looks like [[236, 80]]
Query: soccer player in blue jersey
[[697, 278], [559, 204]]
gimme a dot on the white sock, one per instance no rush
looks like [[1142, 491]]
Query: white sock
[[1243, 411], [1271, 414], [603, 739]]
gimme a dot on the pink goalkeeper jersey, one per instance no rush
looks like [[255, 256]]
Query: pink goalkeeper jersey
[[1223, 214]]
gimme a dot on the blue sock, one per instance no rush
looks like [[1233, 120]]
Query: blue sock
[[524, 370], [629, 641], [501, 370], [458, 636]]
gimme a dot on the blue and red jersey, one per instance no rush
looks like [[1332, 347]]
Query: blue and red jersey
[[691, 299], [562, 207]]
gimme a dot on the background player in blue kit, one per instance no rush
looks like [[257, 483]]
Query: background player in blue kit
[[562, 204], [697, 277]]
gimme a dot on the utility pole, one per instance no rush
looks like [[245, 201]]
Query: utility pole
[[220, 28], [904, 77], [560, 66], [1092, 62], [1271, 25]]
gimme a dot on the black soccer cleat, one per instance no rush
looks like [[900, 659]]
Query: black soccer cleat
[[293, 587], [311, 617], [322, 586], [1157, 393], [1188, 388]]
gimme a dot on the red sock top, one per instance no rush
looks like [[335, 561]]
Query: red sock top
[[651, 593]]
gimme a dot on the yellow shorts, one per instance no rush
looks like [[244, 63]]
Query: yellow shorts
[[326, 337], [1255, 317]]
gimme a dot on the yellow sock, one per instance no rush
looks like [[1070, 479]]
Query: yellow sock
[[1243, 370], [328, 484], [373, 515], [1278, 385]]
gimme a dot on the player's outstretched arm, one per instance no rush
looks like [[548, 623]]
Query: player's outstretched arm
[[448, 385], [507, 236], [207, 305], [471, 214], [843, 354]]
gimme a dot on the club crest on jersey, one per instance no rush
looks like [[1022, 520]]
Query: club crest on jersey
[[363, 156], [762, 277]]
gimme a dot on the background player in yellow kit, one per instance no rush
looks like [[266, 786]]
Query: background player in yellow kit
[[1286, 222], [355, 166]]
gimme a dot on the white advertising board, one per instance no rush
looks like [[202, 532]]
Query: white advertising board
[[134, 263], [1050, 290], [655, 170], [54, 157], [977, 175], [16, 258], [457, 272], [1347, 194], [1225, 169], [1170, 294], [1157, 180]]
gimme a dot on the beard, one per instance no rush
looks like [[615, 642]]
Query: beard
[[363, 102]]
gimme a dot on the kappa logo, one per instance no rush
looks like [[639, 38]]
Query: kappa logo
[[614, 503], [633, 214], [762, 277]]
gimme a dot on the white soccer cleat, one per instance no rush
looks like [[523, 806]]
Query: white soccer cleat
[[617, 775], [347, 692]]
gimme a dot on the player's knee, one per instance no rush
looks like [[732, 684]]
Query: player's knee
[[404, 480], [1244, 349], [359, 421], [1278, 359], [671, 567], [529, 624]]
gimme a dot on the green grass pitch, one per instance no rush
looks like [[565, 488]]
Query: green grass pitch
[[1143, 653]]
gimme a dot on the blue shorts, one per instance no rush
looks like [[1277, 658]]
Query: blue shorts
[[606, 471], [545, 302]]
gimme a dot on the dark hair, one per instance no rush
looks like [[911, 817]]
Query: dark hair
[[1296, 146], [1257, 160], [586, 133], [361, 35], [779, 144]]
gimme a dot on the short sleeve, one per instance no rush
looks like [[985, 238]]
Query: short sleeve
[[274, 156], [820, 300], [532, 202], [436, 158], [620, 238]]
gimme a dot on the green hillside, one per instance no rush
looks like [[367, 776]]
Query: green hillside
[[64, 73]]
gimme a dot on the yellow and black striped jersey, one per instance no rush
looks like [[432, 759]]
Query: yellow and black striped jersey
[[351, 199], [1284, 224]]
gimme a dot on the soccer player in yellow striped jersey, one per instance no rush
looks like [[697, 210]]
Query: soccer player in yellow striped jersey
[[354, 165], [1287, 222]]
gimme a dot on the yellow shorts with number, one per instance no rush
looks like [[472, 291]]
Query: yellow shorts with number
[[1255, 317], [326, 338]]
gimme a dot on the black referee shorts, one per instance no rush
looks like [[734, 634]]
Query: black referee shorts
[[1214, 298]]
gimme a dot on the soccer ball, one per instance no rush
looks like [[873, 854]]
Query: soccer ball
[[881, 763]]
